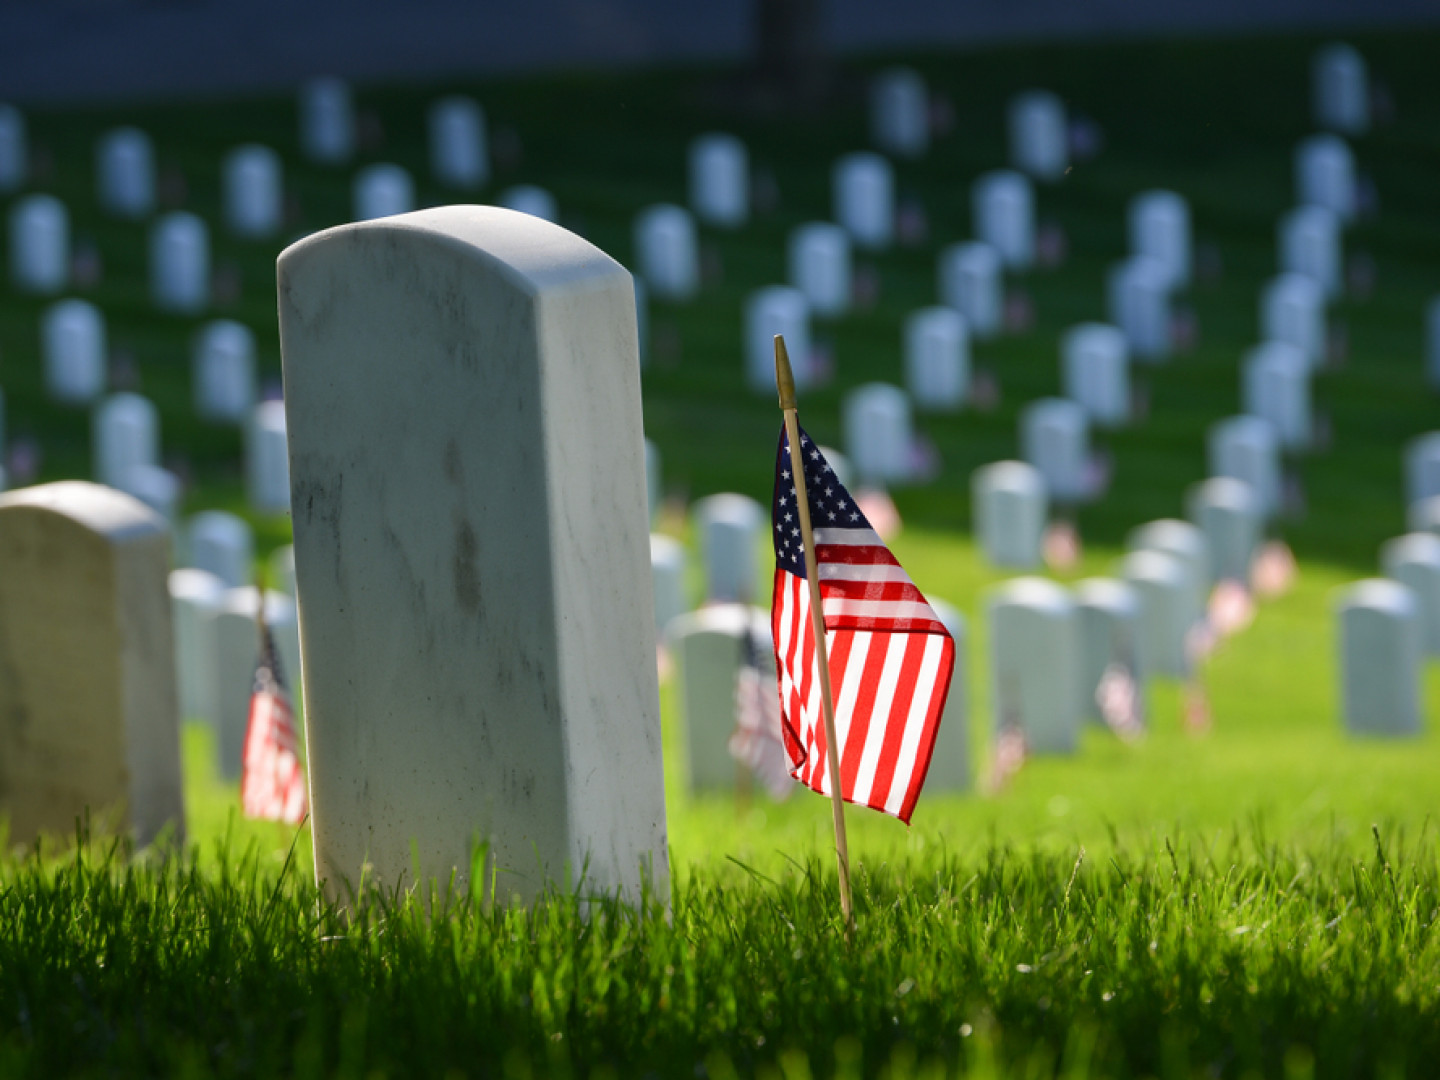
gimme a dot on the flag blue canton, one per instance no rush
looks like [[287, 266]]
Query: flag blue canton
[[831, 506]]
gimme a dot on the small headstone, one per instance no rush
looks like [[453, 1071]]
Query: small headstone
[[863, 199], [1095, 372], [459, 149], [720, 180], [1414, 561], [1422, 468], [667, 577], [879, 435], [971, 282], [730, 528], [1424, 516], [1009, 508], [235, 640], [125, 434], [950, 758], [223, 372], [1108, 613], [1228, 513], [1137, 292], [666, 252], [1292, 310], [125, 171], [91, 722], [1247, 448], [254, 194], [1380, 642], [327, 121], [1032, 618], [820, 266], [1325, 175], [1275, 386], [382, 190], [1340, 90], [14, 149], [159, 489], [180, 263], [1160, 228], [1055, 439], [530, 199], [1002, 206], [937, 358], [1185, 542], [900, 112], [1039, 135], [1309, 244], [708, 646], [39, 245], [546, 748], [195, 597], [222, 543], [1167, 610], [267, 460], [72, 340], [777, 309]]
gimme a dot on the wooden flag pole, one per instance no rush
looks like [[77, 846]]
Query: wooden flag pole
[[785, 381]]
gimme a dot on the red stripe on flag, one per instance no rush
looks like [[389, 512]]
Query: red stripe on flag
[[932, 728], [896, 714], [854, 555], [864, 710]]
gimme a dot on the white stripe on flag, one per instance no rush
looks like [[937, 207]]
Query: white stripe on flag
[[849, 689], [925, 685], [836, 571], [849, 537], [840, 606], [884, 694]]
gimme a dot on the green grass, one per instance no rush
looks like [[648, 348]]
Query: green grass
[[1233, 914]]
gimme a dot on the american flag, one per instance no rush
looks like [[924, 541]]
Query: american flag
[[758, 740], [272, 784], [890, 656]]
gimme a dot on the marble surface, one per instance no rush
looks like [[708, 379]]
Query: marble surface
[[1010, 512], [720, 180], [1108, 613], [1002, 210], [950, 765], [971, 282], [1379, 639], [471, 554], [900, 112], [1034, 663], [84, 590], [1159, 226], [195, 597], [1039, 135], [937, 358], [1414, 561], [1095, 371]]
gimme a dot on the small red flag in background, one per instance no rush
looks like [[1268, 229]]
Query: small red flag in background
[[272, 783]]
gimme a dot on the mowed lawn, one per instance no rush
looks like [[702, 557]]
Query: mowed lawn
[[1258, 900]]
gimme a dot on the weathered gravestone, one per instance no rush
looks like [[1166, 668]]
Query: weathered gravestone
[[666, 251], [125, 434], [1095, 372], [83, 594], [459, 149], [777, 309], [180, 263], [729, 527], [234, 635], [708, 646], [1159, 223], [1108, 613], [530, 199], [195, 597], [1292, 310], [1275, 386], [900, 112], [14, 149], [1340, 90], [72, 342], [863, 199], [125, 172], [1009, 508], [1168, 610], [327, 121], [223, 371], [1308, 239], [1137, 293], [1002, 209], [1247, 448], [1422, 468], [1325, 175], [720, 180], [1414, 561], [382, 190], [950, 758], [1380, 657], [878, 434], [819, 263], [1228, 513], [471, 554], [667, 576], [39, 245], [1039, 135], [254, 196], [1031, 618], [937, 358], [971, 281], [267, 460], [1055, 438], [221, 543]]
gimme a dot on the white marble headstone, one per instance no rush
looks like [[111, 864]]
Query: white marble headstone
[[125, 172], [1009, 508], [937, 358], [900, 112], [1414, 561], [1292, 310], [1137, 292], [1159, 224], [382, 190], [327, 121], [39, 245], [1229, 514], [1325, 175], [777, 309], [1186, 542], [1247, 448], [1002, 208], [1340, 90], [1422, 468], [879, 434], [720, 180], [221, 543], [72, 342], [819, 264], [1380, 642], [471, 532], [254, 192], [180, 263], [730, 528], [950, 757], [1309, 243], [530, 199], [14, 149], [234, 637], [1108, 613], [459, 147], [267, 459], [972, 282], [1275, 386], [1039, 135], [1095, 372], [1031, 618], [667, 576], [195, 597], [667, 251], [223, 371], [1055, 439], [1167, 610], [125, 434], [863, 199]]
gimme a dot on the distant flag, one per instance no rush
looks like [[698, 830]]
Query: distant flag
[[758, 741], [1011, 748], [890, 656], [1118, 698], [272, 784]]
